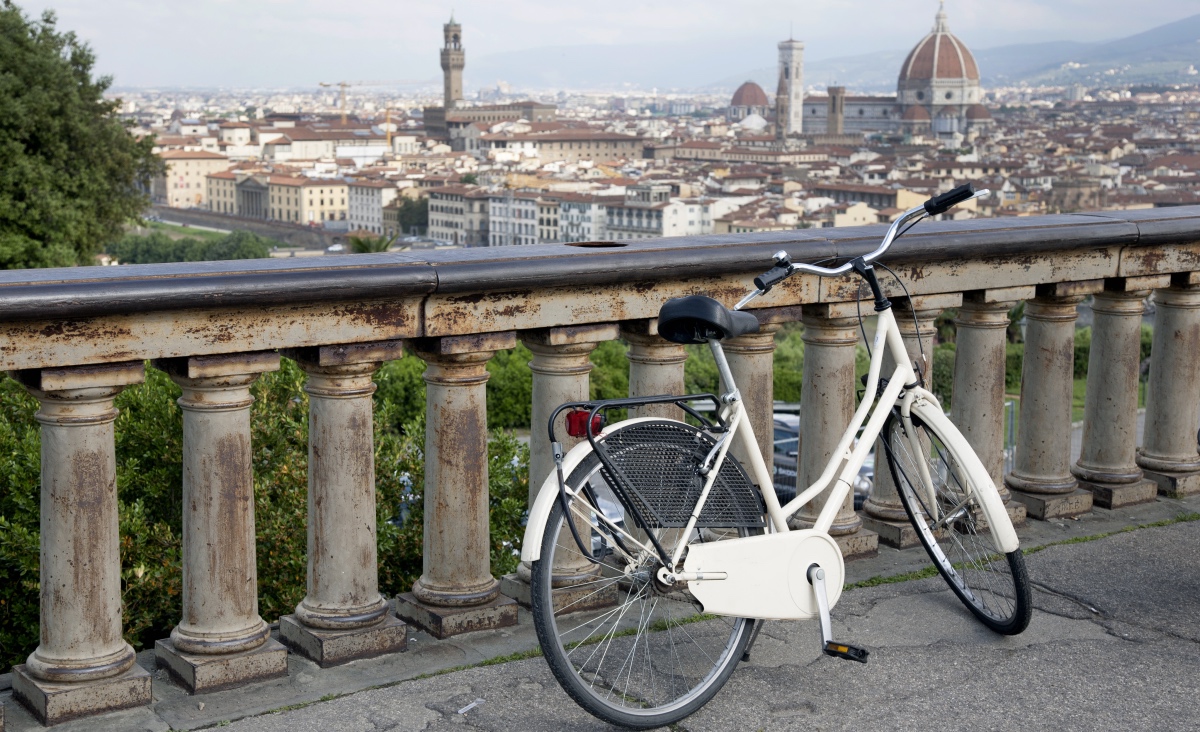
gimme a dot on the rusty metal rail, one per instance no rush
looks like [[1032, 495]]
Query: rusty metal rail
[[76, 337]]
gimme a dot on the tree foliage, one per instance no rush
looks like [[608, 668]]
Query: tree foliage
[[414, 215], [372, 244], [158, 247], [71, 175]]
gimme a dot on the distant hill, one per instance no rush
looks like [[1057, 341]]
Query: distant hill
[[1161, 55]]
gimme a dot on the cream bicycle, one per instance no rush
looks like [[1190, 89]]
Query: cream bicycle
[[656, 555]]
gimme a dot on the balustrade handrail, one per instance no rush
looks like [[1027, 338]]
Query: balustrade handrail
[[81, 292], [76, 337]]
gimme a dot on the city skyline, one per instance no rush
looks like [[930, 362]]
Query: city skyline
[[138, 42]]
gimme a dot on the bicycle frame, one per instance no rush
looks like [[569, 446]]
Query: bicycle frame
[[887, 338]]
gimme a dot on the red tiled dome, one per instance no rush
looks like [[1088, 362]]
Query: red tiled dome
[[749, 95], [978, 111], [939, 55], [916, 113]]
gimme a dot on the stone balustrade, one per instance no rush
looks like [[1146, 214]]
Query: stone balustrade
[[76, 337]]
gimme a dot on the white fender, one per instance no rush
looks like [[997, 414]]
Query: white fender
[[531, 546], [1004, 536]]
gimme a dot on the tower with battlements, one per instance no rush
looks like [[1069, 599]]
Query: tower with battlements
[[454, 58]]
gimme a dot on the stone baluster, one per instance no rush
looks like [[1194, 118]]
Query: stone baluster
[[560, 368], [827, 406], [655, 367], [977, 408], [1168, 453], [1041, 477], [343, 616], [752, 363], [221, 641], [82, 665], [883, 512], [1107, 463], [457, 592]]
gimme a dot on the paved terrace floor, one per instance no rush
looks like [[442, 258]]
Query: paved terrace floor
[[1114, 643]]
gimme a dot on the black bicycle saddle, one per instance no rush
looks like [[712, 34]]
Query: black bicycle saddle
[[696, 319]]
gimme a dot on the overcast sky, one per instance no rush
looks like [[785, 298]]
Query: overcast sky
[[276, 43]]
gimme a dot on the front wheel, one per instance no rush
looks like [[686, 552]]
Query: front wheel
[[953, 528], [624, 646]]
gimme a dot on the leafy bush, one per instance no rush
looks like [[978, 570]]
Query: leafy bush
[[942, 379], [1014, 357], [158, 247], [1083, 348], [510, 388], [789, 362], [149, 452]]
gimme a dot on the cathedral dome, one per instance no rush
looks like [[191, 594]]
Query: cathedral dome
[[978, 111], [939, 55], [749, 95]]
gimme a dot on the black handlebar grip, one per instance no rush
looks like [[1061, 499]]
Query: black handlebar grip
[[949, 199], [772, 277]]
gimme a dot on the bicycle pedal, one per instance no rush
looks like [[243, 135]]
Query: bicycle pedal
[[846, 651]]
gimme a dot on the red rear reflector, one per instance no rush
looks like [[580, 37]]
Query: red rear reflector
[[577, 423]]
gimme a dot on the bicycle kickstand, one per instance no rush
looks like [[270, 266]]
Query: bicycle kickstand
[[816, 576]]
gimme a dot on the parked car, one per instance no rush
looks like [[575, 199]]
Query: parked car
[[786, 458]]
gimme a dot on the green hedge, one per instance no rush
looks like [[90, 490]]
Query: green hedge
[[149, 475], [1083, 348]]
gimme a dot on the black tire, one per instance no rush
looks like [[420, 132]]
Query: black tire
[[652, 658], [994, 588]]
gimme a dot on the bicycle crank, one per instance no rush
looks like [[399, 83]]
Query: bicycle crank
[[816, 576]]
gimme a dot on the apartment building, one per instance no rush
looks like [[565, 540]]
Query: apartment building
[[312, 201], [581, 216], [513, 218], [563, 145], [548, 213], [459, 215], [648, 212], [366, 201], [184, 184], [221, 192]]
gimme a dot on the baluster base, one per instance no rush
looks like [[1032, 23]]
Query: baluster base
[[1175, 485], [585, 597], [1119, 495], [896, 534], [334, 647], [201, 674], [1044, 506], [861, 544], [444, 622], [53, 702]]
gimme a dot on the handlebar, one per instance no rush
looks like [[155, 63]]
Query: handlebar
[[949, 199], [784, 267]]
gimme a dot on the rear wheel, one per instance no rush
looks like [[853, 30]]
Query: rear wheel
[[629, 649], [953, 529]]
